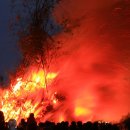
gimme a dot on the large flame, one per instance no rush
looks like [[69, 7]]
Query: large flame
[[28, 94]]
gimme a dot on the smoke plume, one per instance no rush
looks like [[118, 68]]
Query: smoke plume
[[93, 65]]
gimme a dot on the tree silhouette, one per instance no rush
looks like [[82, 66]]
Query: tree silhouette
[[34, 26]]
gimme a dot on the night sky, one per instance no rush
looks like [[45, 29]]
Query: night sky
[[9, 54]]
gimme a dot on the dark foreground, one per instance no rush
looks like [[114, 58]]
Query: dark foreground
[[31, 124]]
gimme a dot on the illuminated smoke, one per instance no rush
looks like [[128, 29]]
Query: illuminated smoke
[[94, 71], [89, 80]]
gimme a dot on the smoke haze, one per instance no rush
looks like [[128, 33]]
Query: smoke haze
[[94, 63]]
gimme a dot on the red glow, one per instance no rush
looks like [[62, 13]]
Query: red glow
[[91, 78]]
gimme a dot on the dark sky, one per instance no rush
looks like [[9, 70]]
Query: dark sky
[[9, 54]]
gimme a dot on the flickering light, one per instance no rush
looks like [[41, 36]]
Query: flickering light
[[81, 111], [26, 96]]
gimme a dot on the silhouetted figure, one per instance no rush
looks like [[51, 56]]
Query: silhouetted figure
[[6, 126], [79, 125], [66, 125], [63, 125], [12, 124], [31, 122], [115, 127], [22, 125], [73, 126], [2, 121], [87, 126], [49, 125], [95, 126], [41, 126], [127, 122]]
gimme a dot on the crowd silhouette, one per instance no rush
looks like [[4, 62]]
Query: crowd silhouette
[[31, 124]]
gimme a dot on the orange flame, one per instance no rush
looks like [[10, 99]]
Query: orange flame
[[28, 95]]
